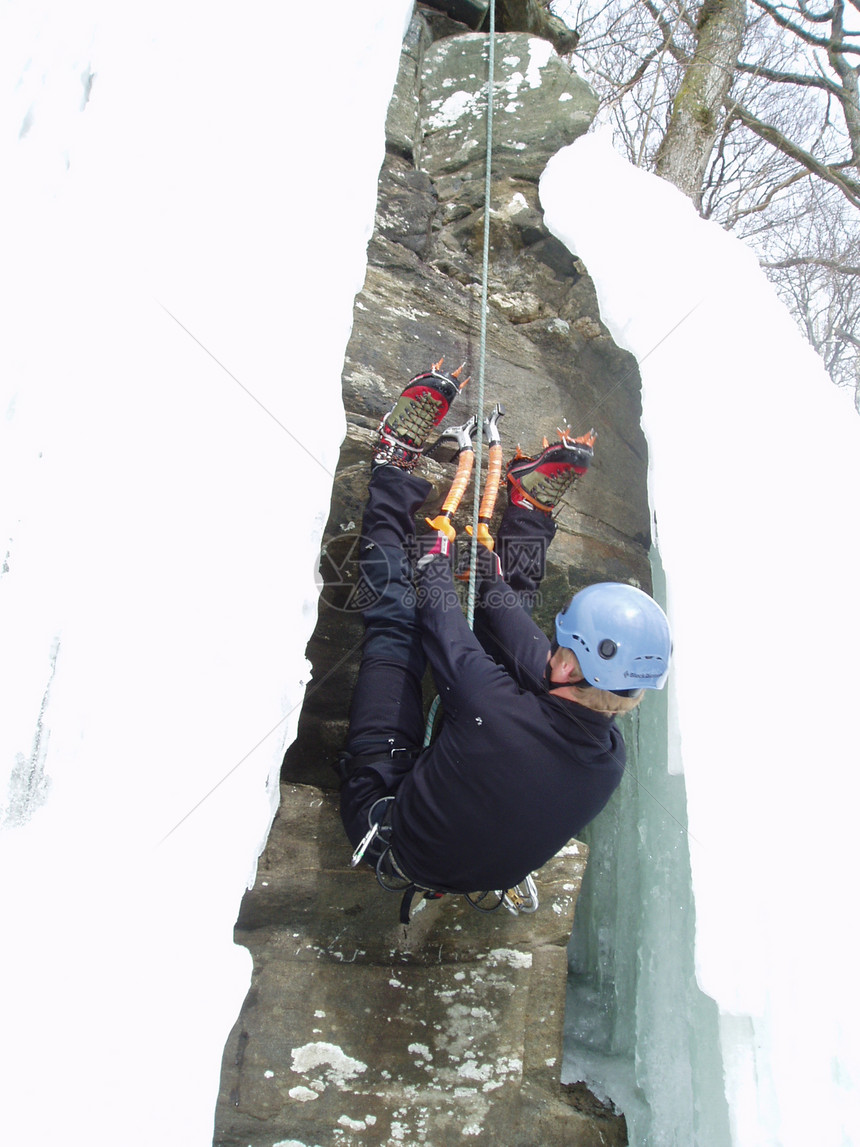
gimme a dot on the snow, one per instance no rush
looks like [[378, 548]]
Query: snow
[[754, 468], [509, 956], [303, 1094], [539, 53], [173, 337], [339, 1066], [169, 325], [453, 109]]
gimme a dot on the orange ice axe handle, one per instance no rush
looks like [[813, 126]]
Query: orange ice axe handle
[[494, 476], [465, 465]]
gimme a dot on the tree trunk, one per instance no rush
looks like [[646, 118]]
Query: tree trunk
[[849, 78], [698, 108]]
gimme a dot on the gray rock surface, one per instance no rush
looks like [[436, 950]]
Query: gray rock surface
[[539, 105], [511, 16], [358, 1030]]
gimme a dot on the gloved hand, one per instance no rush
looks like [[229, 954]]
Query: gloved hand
[[487, 564], [441, 548]]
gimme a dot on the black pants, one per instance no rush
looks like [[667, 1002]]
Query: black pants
[[386, 720]]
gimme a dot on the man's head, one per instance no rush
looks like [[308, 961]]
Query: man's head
[[564, 678], [615, 639]]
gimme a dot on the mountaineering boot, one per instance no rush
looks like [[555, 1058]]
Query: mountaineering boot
[[421, 406], [541, 482]]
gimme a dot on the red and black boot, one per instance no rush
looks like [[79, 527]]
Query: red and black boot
[[543, 481], [420, 408]]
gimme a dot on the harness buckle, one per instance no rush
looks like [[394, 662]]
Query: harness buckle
[[377, 818], [363, 845], [522, 898]]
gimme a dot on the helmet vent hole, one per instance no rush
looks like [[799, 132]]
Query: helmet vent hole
[[607, 648]]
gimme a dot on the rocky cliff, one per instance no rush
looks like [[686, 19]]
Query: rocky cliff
[[434, 1018]]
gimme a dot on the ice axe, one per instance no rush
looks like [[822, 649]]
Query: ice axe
[[465, 464], [494, 476]]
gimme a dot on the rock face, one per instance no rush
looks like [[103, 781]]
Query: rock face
[[357, 1030], [539, 106], [512, 16], [534, 16]]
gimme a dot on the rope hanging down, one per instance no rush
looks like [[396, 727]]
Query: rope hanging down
[[485, 275], [482, 350]]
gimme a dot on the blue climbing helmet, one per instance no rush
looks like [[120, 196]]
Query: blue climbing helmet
[[620, 637]]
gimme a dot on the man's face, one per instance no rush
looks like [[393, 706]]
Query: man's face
[[563, 670]]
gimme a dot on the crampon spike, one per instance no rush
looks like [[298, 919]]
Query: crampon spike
[[583, 440], [545, 442], [438, 365], [465, 380], [456, 373]]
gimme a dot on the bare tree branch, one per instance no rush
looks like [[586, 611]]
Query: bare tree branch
[[811, 261], [668, 33], [849, 187], [798, 30], [797, 78], [848, 337], [813, 17], [772, 193], [647, 60]]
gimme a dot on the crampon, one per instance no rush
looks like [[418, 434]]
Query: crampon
[[421, 407]]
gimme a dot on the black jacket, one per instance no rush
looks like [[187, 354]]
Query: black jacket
[[514, 772]]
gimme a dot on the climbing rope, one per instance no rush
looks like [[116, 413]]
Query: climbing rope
[[482, 349]]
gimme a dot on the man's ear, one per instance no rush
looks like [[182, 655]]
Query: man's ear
[[566, 670]]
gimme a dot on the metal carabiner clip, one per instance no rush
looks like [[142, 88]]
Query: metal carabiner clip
[[364, 844], [375, 818]]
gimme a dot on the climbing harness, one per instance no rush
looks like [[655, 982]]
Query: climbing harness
[[376, 848]]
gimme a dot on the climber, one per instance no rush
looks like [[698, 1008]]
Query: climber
[[528, 751]]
